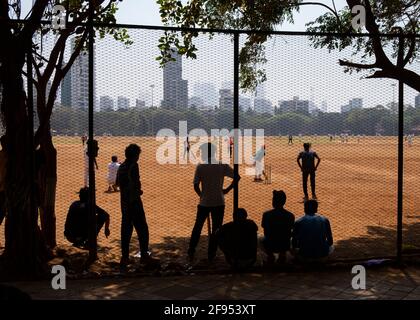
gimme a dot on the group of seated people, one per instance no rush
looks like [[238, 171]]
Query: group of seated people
[[309, 239]]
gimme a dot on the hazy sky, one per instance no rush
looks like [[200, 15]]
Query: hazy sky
[[294, 68]]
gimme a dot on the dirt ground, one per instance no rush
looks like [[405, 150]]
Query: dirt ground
[[356, 187]]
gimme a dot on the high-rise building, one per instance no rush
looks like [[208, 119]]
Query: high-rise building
[[140, 104], [66, 90], [106, 103], [175, 89], [207, 92], [355, 103], [123, 103], [226, 99], [196, 102], [75, 85], [417, 101], [244, 103], [295, 105], [263, 106]]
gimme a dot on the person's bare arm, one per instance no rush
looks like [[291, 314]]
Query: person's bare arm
[[107, 232], [298, 161], [197, 189], [230, 187], [317, 162]]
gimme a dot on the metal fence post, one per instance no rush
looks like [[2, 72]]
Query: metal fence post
[[400, 155], [236, 120], [92, 200]]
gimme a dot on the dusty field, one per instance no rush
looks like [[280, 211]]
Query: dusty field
[[356, 187]]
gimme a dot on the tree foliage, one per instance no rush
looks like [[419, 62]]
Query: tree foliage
[[383, 16]]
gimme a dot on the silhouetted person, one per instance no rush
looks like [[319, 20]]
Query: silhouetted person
[[210, 175], [238, 240], [133, 215], [312, 238], [76, 229], [277, 224], [306, 162], [290, 140]]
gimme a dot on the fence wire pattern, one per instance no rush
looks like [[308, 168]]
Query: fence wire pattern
[[351, 123]]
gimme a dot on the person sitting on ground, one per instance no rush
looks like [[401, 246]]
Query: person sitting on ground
[[312, 239], [76, 229], [277, 224], [112, 174], [238, 240]]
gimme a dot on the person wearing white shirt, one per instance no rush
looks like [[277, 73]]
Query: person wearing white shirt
[[112, 174]]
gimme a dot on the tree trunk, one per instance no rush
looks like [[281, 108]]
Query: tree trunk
[[25, 252], [47, 182]]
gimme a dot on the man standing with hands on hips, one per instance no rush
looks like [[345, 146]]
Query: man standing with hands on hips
[[306, 162]]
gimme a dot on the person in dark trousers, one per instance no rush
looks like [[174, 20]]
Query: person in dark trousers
[[210, 175], [306, 162], [312, 239], [277, 224], [239, 240], [290, 140], [76, 229], [133, 215]]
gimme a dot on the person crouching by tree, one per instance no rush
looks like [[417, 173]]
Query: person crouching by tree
[[76, 229]]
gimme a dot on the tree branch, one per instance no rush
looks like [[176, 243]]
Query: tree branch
[[349, 64], [334, 11], [32, 24]]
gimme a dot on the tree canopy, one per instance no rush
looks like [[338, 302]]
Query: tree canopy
[[382, 17]]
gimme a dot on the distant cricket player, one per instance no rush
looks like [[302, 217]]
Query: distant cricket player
[[410, 139], [112, 174], [306, 162], [259, 164], [186, 147], [290, 140]]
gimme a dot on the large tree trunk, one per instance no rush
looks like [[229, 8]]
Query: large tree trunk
[[25, 252], [47, 182]]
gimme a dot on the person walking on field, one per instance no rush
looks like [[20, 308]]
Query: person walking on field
[[306, 162], [133, 215], [208, 184]]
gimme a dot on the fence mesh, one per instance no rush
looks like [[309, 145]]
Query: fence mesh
[[350, 122]]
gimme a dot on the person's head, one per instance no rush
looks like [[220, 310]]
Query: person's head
[[114, 158], [84, 194], [208, 151], [240, 214], [132, 152], [306, 146], [279, 199], [311, 207]]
